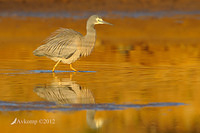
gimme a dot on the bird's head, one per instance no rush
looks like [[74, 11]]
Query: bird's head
[[95, 19]]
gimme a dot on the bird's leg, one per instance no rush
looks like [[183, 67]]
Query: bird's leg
[[55, 66], [71, 75], [72, 68]]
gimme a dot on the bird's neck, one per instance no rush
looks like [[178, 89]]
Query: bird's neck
[[91, 35], [91, 30], [89, 40]]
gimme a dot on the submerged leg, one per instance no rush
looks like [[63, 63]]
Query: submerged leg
[[71, 75], [72, 68], [55, 65]]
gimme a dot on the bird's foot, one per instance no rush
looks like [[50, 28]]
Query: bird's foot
[[72, 68]]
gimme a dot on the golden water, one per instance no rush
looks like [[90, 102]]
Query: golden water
[[136, 61]]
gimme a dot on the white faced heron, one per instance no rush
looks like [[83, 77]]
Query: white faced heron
[[67, 45], [66, 91]]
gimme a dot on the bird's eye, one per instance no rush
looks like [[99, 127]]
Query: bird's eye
[[99, 20]]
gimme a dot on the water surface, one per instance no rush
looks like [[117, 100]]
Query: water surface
[[135, 80]]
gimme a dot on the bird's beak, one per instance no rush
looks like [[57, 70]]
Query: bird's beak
[[104, 22]]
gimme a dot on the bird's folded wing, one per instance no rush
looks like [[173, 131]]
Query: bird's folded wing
[[63, 43]]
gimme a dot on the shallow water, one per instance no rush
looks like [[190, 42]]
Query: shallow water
[[127, 84]]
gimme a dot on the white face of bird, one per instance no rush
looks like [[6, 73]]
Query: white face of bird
[[101, 21]]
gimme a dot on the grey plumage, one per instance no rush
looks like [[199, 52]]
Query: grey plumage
[[65, 91], [67, 45], [63, 38]]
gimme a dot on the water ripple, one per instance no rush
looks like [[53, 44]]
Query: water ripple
[[51, 106], [16, 72]]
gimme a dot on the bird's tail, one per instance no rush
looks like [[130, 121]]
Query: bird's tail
[[39, 51]]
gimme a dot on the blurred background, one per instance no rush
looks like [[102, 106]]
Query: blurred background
[[103, 5], [151, 54]]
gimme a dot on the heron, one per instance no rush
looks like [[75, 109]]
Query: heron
[[67, 46], [64, 91]]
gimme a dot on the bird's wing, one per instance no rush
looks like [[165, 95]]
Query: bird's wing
[[63, 43], [58, 94]]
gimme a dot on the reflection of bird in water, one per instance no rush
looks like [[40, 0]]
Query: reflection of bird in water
[[67, 45], [69, 92]]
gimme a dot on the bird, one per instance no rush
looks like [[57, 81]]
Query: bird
[[67, 46], [64, 91]]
